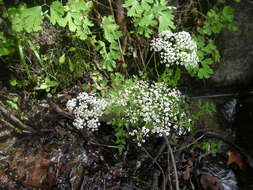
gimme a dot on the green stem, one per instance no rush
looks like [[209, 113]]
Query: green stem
[[22, 59]]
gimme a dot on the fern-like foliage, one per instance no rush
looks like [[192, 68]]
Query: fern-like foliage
[[26, 19], [56, 13], [147, 14], [111, 34], [6, 45], [215, 22], [74, 15], [208, 52]]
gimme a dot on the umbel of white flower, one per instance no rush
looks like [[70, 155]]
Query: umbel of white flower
[[148, 108], [153, 108], [176, 48], [87, 109]]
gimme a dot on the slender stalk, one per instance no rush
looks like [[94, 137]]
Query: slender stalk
[[173, 161], [160, 168]]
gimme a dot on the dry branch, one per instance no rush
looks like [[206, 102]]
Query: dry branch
[[14, 119], [173, 161]]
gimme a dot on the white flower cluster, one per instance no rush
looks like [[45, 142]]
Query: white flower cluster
[[154, 109], [148, 109], [87, 110], [176, 48]]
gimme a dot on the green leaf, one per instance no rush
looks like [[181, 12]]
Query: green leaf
[[57, 13], [71, 66], [62, 59], [36, 53], [18, 83], [166, 22], [13, 82], [74, 15], [13, 104], [133, 8], [207, 61], [26, 19], [32, 18], [47, 85], [14, 15], [205, 72], [77, 17], [6, 45], [72, 26], [112, 35], [150, 14], [227, 13], [111, 29], [147, 20], [146, 5]]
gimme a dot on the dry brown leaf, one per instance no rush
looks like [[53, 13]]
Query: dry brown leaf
[[36, 175], [187, 173], [235, 158], [209, 182]]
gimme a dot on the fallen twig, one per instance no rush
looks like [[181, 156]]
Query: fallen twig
[[14, 119], [103, 145], [155, 182], [168, 170], [10, 126], [59, 110], [160, 168], [159, 153], [188, 145], [173, 161]]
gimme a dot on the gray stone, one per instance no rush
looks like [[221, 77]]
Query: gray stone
[[236, 49]]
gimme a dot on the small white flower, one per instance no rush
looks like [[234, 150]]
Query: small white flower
[[176, 48], [148, 109]]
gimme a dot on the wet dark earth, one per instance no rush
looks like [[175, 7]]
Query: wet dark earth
[[60, 157]]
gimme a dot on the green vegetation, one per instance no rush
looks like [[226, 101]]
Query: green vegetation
[[149, 14], [208, 52], [106, 46], [211, 147]]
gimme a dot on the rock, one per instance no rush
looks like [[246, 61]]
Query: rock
[[243, 124], [229, 110], [236, 49]]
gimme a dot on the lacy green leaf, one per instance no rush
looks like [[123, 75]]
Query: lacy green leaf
[[26, 19], [6, 45], [77, 17], [166, 21], [32, 19], [227, 13], [111, 29], [57, 13], [133, 8]]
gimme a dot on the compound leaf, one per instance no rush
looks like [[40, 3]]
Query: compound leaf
[[26, 19], [32, 19], [166, 21], [57, 13], [111, 29]]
